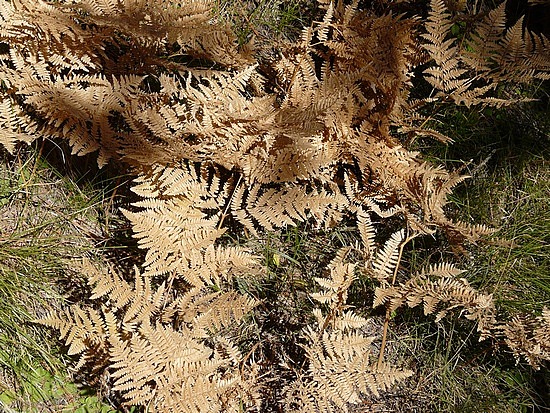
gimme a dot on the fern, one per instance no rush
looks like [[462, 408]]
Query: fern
[[445, 289], [529, 337], [495, 55], [153, 363], [386, 260], [340, 372], [177, 234], [219, 139]]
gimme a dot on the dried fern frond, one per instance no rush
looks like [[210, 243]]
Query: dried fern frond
[[340, 373], [495, 55], [70, 63], [503, 54], [341, 368], [288, 205], [179, 222], [383, 265], [82, 330], [169, 371], [337, 284], [445, 290], [13, 125], [367, 233], [156, 347], [529, 338], [449, 74]]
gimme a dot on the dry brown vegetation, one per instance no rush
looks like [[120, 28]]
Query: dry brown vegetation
[[221, 145]]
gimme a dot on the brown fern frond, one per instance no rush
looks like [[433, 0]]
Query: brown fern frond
[[485, 40], [341, 372], [529, 337], [447, 290], [383, 265], [179, 222], [84, 332], [273, 208], [222, 310], [494, 55], [336, 287], [449, 74], [13, 125], [367, 232], [156, 359]]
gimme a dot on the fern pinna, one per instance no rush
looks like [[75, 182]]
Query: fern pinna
[[217, 143]]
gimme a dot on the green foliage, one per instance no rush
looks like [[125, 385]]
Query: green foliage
[[44, 390]]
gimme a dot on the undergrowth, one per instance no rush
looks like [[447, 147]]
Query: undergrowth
[[46, 220], [506, 153]]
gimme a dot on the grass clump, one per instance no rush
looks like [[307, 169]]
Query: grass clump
[[517, 267], [266, 22]]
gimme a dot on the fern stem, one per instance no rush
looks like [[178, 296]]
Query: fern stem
[[384, 335], [388, 312], [229, 201]]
